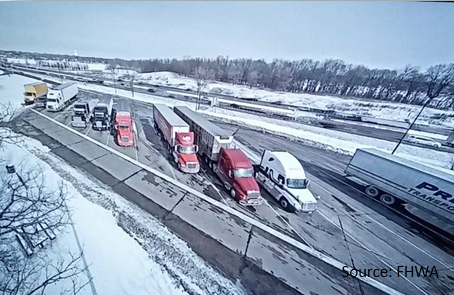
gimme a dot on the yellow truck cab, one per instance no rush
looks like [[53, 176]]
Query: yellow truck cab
[[34, 91]]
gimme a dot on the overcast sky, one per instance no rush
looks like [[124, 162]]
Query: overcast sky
[[377, 34]]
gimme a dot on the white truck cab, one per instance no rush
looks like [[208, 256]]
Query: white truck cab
[[283, 176]]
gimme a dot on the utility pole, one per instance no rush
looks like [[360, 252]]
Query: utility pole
[[411, 125]]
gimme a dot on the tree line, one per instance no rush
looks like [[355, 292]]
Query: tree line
[[331, 77]]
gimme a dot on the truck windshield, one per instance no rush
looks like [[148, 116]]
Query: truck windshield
[[296, 183], [243, 173], [124, 127], [28, 93], [186, 149], [51, 100]]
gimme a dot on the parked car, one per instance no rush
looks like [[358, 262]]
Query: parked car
[[151, 90], [423, 140]]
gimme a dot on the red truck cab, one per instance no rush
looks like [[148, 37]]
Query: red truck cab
[[123, 129], [186, 152], [237, 174]]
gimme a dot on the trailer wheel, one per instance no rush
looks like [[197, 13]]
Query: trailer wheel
[[210, 164], [284, 203], [372, 191], [387, 199]]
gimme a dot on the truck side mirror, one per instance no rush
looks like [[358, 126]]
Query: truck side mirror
[[175, 148], [230, 174], [196, 148]]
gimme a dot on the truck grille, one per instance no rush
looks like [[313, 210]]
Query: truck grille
[[253, 195], [192, 165], [125, 138], [308, 206]]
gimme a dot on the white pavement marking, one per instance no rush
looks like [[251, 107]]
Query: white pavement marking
[[107, 141], [171, 170], [88, 131], [369, 250], [450, 267], [217, 190], [319, 255], [291, 227]]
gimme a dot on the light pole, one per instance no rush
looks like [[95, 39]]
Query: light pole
[[411, 125]]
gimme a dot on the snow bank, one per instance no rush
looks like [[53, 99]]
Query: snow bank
[[12, 89], [21, 61]]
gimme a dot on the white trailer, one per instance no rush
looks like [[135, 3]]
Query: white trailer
[[395, 180], [283, 176], [59, 96], [208, 137], [168, 123]]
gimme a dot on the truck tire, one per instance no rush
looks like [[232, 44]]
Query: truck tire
[[284, 203], [388, 199], [372, 191], [233, 193]]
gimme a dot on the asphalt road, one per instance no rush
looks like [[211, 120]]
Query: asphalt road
[[347, 226]]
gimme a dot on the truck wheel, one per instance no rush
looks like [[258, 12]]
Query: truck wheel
[[233, 193], [284, 203], [210, 164], [372, 191], [387, 199]]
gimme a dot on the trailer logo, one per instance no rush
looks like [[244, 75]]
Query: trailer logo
[[186, 138], [437, 196]]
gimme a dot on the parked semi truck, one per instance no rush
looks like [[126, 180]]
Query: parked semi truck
[[34, 91], [102, 113], [82, 113], [231, 165], [60, 96], [123, 130], [283, 176], [179, 139], [394, 180]]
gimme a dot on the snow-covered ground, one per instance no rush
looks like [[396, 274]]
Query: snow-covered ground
[[12, 90], [106, 246]]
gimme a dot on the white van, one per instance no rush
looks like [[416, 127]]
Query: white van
[[283, 176]]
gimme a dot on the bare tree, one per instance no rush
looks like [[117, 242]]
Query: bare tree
[[31, 216], [202, 75], [438, 78]]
